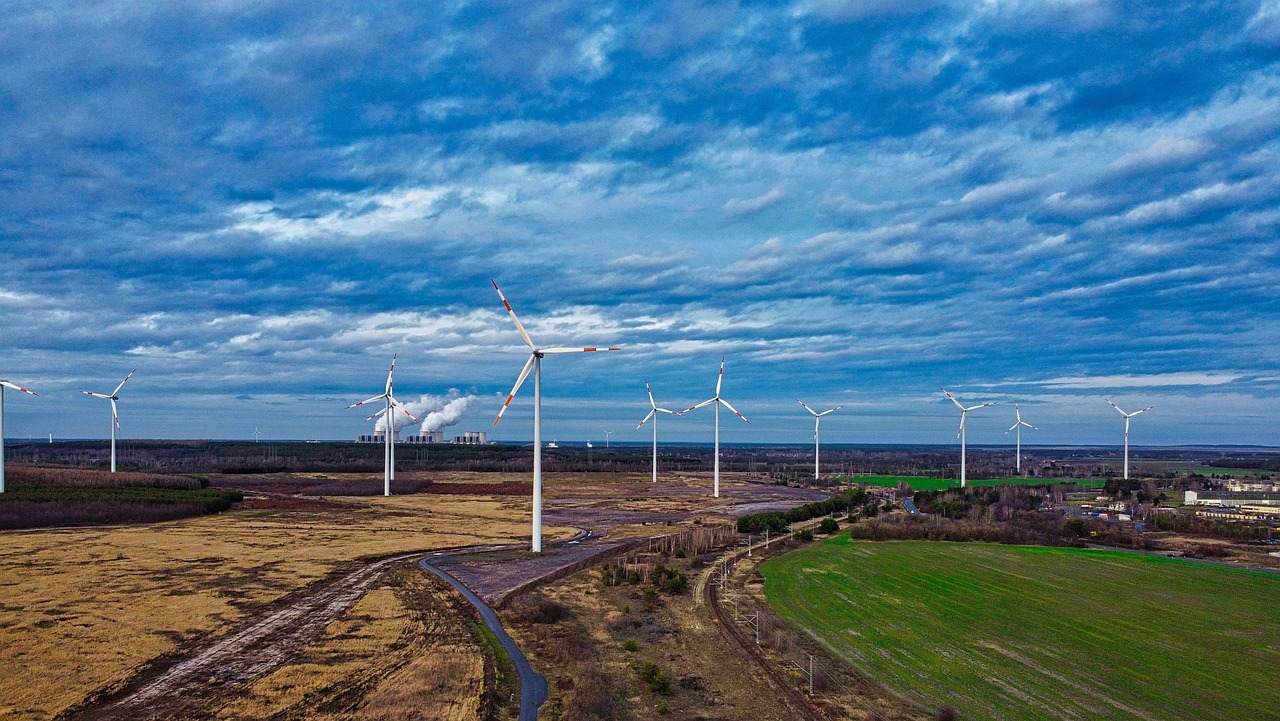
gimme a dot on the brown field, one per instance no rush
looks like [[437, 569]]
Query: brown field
[[86, 608]]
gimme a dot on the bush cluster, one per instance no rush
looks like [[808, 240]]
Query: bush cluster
[[655, 679], [660, 577]]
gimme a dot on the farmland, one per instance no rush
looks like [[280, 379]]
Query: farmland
[[1030, 632], [933, 483]]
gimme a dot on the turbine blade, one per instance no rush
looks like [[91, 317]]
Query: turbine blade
[[707, 402], [519, 326], [735, 410], [1015, 425], [649, 390], [962, 417], [546, 351], [391, 372], [115, 415], [1144, 410], [1108, 400], [126, 380], [807, 408], [980, 405], [381, 411], [96, 395], [397, 404], [528, 366], [1028, 425], [646, 419], [367, 400], [664, 410], [720, 378], [7, 384], [829, 410], [953, 398]]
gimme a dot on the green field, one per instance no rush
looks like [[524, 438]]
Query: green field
[[1026, 632], [925, 483]]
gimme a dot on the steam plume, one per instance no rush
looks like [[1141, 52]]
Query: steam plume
[[436, 412]]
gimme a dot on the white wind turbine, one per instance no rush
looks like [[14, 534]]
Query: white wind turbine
[[534, 364], [115, 417], [963, 412], [1018, 427], [716, 399], [817, 418], [3, 385], [606, 438], [388, 412], [654, 410], [1127, 416]]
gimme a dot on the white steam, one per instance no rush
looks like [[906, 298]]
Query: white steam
[[435, 412]]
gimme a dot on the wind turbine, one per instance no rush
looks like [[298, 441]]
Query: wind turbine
[[1127, 416], [606, 438], [716, 399], [257, 435], [963, 412], [1018, 427], [3, 385], [654, 410], [534, 364], [817, 418], [388, 411], [115, 416]]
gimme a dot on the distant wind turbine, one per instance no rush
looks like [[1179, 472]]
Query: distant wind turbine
[[115, 416], [1018, 427], [1127, 416], [389, 414], [606, 438], [817, 418], [963, 412], [716, 399], [654, 410], [257, 435], [534, 364], [3, 385]]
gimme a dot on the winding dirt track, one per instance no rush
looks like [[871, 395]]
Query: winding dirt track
[[245, 654]]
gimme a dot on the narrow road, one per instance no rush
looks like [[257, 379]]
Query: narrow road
[[533, 686]]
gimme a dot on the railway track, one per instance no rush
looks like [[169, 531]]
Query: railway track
[[798, 700]]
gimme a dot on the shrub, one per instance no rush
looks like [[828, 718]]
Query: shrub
[[828, 526], [655, 679], [805, 535], [629, 645]]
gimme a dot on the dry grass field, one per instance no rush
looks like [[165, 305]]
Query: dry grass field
[[85, 609]]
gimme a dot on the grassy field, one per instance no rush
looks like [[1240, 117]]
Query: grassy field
[[1040, 633], [923, 483]]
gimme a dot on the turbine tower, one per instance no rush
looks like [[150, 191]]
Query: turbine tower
[[534, 364], [388, 414], [817, 418], [716, 399], [960, 433], [1127, 416], [1018, 427], [115, 416], [3, 385], [654, 410]]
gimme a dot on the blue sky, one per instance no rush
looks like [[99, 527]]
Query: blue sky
[[257, 203]]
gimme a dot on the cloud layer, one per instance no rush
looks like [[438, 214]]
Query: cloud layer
[[257, 204]]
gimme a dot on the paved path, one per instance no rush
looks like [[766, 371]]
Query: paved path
[[533, 686]]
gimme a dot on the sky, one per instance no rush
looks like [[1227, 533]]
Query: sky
[[256, 204]]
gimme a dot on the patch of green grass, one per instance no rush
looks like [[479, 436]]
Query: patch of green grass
[[1032, 632], [926, 483]]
